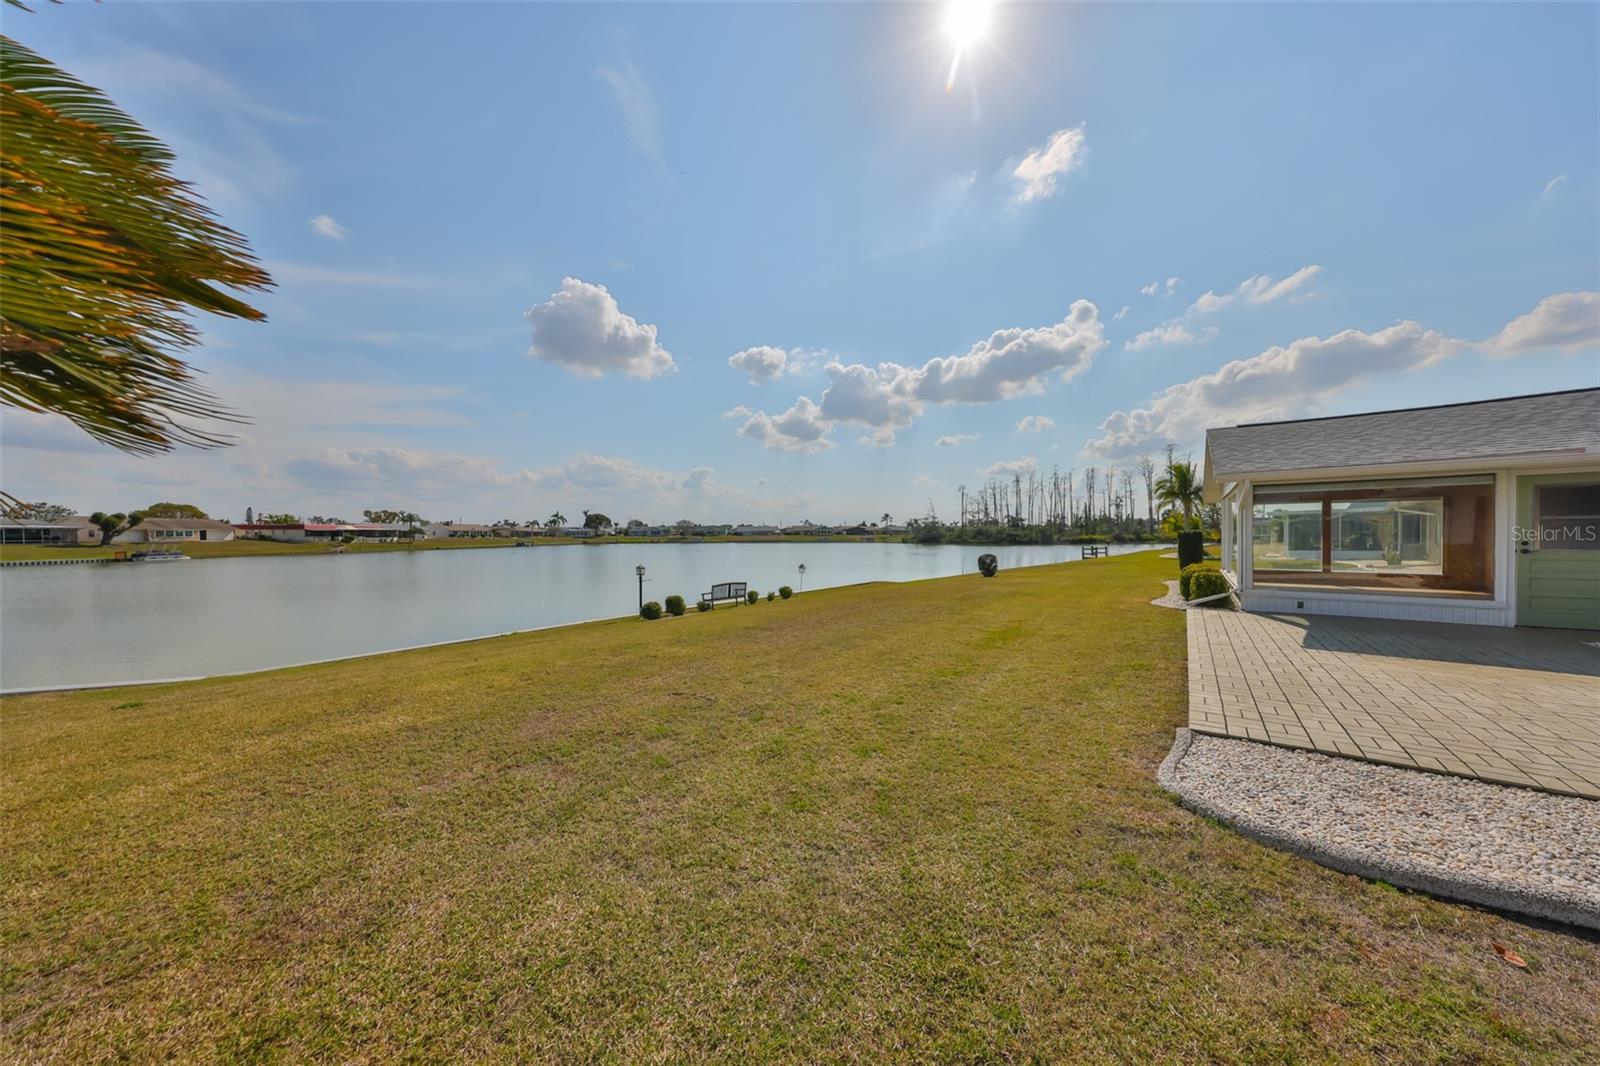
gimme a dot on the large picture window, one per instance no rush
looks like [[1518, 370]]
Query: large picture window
[[1436, 535]]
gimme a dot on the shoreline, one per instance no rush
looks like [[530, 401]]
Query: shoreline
[[34, 554], [81, 686]]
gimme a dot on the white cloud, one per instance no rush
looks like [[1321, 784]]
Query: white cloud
[[923, 481], [1260, 289], [1170, 332], [1173, 285], [1568, 321], [1150, 289], [889, 397], [581, 328], [1026, 465], [637, 105], [1122, 314], [327, 226], [1280, 382], [1038, 173], [411, 474], [800, 429], [955, 440], [761, 363], [1035, 424], [1553, 184]]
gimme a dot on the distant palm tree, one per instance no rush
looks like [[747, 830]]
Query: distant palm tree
[[1180, 487], [885, 518], [105, 257], [556, 519]]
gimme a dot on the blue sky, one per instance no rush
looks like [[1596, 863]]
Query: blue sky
[[1341, 208]]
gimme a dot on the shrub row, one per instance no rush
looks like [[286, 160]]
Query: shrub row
[[676, 606]]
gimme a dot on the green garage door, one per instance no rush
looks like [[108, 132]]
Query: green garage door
[[1558, 551]]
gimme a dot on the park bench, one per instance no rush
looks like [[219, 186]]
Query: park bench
[[724, 592], [1095, 551]]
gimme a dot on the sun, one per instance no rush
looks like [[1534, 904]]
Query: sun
[[966, 21]]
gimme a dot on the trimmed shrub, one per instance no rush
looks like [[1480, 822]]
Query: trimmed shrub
[[1208, 583], [988, 565], [676, 606], [1191, 547], [785, 591], [1186, 576], [650, 611], [771, 596], [703, 605], [751, 597]]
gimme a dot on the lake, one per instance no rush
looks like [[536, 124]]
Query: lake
[[68, 625]]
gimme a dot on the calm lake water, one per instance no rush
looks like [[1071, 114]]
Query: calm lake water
[[62, 625]]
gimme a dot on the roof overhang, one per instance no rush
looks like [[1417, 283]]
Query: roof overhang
[[1572, 457]]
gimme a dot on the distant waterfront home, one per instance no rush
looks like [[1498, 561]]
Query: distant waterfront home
[[1485, 513], [291, 532], [175, 531], [755, 531], [74, 531]]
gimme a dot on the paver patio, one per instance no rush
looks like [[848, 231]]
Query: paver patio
[[1511, 706]]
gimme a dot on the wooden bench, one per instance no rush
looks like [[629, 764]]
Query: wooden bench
[[724, 592], [1095, 551]]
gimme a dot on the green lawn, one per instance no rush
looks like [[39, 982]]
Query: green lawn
[[889, 822]]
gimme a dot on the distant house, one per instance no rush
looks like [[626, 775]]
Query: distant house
[[461, 529], [74, 531], [373, 531], [1485, 513], [755, 531], [290, 532], [175, 531]]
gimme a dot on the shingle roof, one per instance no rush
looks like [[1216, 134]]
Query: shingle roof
[[1487, 429], [182, 523]]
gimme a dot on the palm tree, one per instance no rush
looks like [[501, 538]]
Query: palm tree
[[1180, 487], [105, 256], [886, 518], [556, 519]]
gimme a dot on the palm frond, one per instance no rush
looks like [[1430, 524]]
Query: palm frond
[[103, 254]]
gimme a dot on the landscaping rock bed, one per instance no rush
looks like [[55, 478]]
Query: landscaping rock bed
[[1171, 599], [1500, 846]]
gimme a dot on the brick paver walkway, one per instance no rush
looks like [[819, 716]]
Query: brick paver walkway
[[1512, 706]]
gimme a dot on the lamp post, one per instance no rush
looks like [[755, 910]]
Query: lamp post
[[802, 577], [640, 571]]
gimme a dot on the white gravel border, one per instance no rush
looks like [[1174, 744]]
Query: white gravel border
[[1513, 849]]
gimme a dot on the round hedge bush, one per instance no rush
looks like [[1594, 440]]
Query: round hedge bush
[[650, 611], [771, 596], [785, 591], [751, 597], [1208, 583], [1186, 576], [676, 606], [703, 605], [988, 565]]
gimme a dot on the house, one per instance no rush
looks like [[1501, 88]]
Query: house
[[291, 532], [173, 531], [71, 532], [1485, 513], [443, 530], [755, 531]]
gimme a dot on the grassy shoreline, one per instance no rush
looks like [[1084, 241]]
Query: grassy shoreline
[[892, 821]]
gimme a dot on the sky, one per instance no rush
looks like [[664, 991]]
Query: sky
[[767, 263]]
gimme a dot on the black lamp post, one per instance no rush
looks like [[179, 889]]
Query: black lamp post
[[640, 571]]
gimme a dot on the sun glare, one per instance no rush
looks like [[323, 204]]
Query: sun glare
[[966, 22]]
